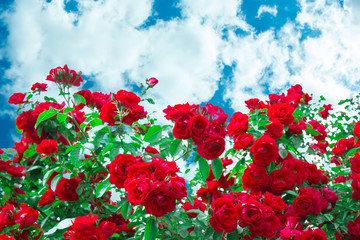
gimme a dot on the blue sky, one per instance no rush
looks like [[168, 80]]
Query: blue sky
[[218, 51]]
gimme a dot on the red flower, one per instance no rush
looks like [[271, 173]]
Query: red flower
[[133, 114], [17, 98], [197, 128], [264, 151], [311, 234], [26, 216], [224, 215], [355, 163], [320, 128], [173, 113], [283, 112], [354, 228], [41, 87], [160, 200], [255, 178], [47, 147], [83, 228], [243, 141], [66, 189], [138, 189], [118, 169], [325, 112], [47, 198], [212, 147], [197, 205], [65, 76], [127, 99], [297, 128], [356, 130], [281, 180], [15, 171], [275, 202], [308, 202], [108, 113], [275, 129], [239, 124], [181, 130], [151, 82], [151, 150], [178, 187], [356, 186]]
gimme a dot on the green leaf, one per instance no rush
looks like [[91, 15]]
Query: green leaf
[[344, 101], [67, 110], [61, 117], [217, 168], [150, 100], [46, 115], [96, 122], [126, 210], [69, 149], [75, 156], [175, 147], [79, 99], [208, 233], [55, 181], [102, 187], [153, 134], [204, 168], [50, 99], [151, 229], [311, 131], [352, 151], [217, 236]]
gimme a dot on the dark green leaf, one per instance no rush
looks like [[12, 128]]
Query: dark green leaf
[[126, 210], [151, 229], [352, 151], [153, 134], [217, 168], [150, 100], [204, 168], [75, 156], [69, 149], [344, 101], [232, 236], [217, 236]]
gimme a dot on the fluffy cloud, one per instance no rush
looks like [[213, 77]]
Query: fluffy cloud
[[107, 40]]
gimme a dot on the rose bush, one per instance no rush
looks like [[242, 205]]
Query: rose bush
[[96, 166]]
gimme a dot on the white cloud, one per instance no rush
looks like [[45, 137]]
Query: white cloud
[[186, 55], [267, 9]]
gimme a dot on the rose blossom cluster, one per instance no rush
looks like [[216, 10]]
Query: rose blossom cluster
[[65, 76], [23, 215], [205, 126], [153, 184]]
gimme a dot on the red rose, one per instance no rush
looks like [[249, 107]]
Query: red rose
[[283, 112], [138, 189], [47, 147], [251, 213], [320, 128], [178, 187], [212, 147], [160, 200], [325, 112], [355, 163], [47, 198], [26, 216], [354, 228], [298, 170], [215, 129], [197, 205], [209, 194], [275, 129], [66, 189], [264, 151], [133, 114], [17, 98], [163, 169], [6, 216], [356, 130], [173, 113], [98, 100], [151, 82], [243, 141], [181, 129], [65, 76], [15, 171], [308, 202], [252, 103], [6, 237], [86, 94], [281, 180], [127, 99], [224, 215], [140, 169], [83, 229], [239, 124], [297, 128], [275, 202], [41, 87], [107, 228], [255, 178], [118, 169], [108, 113], [311, 234], [197, 128], [151, 150], [356, 186]]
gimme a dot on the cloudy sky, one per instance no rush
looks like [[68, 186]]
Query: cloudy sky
[[218, 51]]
